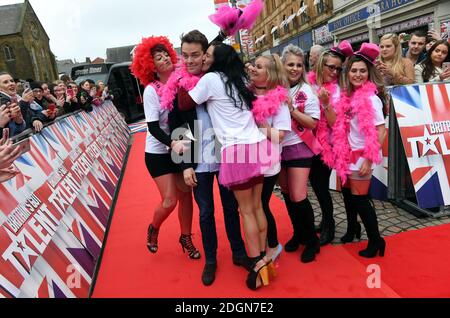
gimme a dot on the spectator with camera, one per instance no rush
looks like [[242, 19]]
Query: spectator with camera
[[395, 69], [46, 111], [13, 109], [436, 67]]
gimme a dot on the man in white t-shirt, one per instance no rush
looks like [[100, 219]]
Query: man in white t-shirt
[[201, 174]]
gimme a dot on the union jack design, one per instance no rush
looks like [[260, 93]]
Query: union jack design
[[423, 118], [138, 127]]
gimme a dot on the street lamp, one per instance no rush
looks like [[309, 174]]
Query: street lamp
[[238, 36]]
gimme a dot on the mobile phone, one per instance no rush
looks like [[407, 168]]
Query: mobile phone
[[69, 92], [6, 133], [26, 86], [51, 107], [446, 65]]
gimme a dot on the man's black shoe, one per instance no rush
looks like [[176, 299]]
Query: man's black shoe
[[243, 261], [209, 274]]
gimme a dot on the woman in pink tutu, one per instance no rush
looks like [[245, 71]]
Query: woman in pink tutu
[[246, 152], [271, 112]]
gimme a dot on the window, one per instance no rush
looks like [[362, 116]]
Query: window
[[286, 25], [274, 32], [9, 53], [320, 6]]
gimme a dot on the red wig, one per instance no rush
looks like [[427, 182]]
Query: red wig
[[143, 66]]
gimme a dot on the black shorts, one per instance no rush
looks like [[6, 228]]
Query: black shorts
[[160, 165], [298, 163]]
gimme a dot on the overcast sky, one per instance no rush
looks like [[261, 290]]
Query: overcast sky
[[86, 28]]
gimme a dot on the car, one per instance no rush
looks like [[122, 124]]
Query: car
[[122, 85]]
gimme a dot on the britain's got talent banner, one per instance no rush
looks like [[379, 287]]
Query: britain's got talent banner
[[424, 120], [54, 213]]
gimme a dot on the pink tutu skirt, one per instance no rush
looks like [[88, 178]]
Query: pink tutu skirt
[[242, 163]]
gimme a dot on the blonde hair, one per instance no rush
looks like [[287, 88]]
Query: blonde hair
[[292, 49], [276, 74], [397, 61], [321, 64]]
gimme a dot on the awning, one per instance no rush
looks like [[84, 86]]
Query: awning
[[302, 10], [289, 20], [283, 23], [274, 29], [260, 39]]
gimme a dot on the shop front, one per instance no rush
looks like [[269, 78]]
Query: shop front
[[367, 21]]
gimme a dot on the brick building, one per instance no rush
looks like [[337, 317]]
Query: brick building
[[24, 44]]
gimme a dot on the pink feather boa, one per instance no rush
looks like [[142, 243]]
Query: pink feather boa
[[358, 104], [231, 20], [324, 131], [268, 105], [179, 78]]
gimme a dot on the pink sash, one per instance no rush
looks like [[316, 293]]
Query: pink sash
[[308, 137]]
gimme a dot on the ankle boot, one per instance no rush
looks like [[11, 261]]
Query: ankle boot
[[312, 242], [353, 227], [368, 216], [294, 243], [328, 232]]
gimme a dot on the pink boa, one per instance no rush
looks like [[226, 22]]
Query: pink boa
[[268, 105], [323, 129], [179, 78], [358, 104], [231, 20]]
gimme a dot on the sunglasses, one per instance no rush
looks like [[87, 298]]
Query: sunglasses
[[334, 68]]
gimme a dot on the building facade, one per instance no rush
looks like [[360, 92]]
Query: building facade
[[291, 21], [24, 44], [326, 22], [360, 21]]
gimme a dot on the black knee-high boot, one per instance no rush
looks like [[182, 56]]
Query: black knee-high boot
[[369, 218], [306, 223], [294, 243], [353, 227]]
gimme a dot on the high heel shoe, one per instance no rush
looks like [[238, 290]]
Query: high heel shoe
[[187, 245], [373, 249], [351, 234], [261, 276], [272, 269], [152, 239]]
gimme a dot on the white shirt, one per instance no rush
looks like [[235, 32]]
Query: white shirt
[[356, 137], [281, 121], [232, 125], [154, 112], [312, 108]]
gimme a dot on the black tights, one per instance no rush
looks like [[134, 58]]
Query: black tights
[[320, 182], [269, 184]]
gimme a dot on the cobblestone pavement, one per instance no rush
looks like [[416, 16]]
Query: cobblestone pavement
[[392, 219]]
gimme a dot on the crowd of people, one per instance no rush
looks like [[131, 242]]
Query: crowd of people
[[31, 105], [252, 126]]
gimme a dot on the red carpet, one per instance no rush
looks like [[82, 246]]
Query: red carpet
[[416, 263]]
